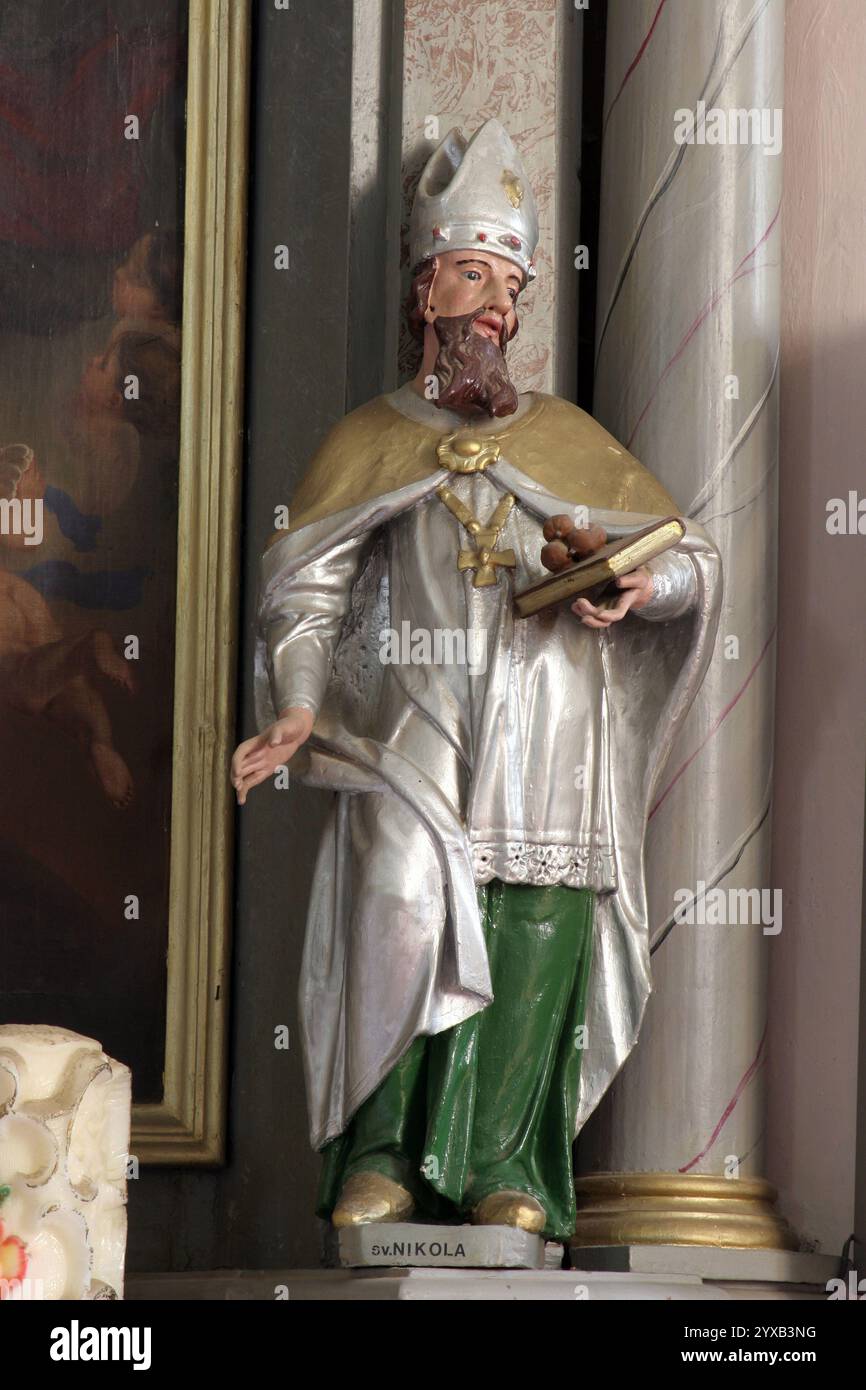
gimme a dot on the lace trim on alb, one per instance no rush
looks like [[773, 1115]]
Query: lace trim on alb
[[574, 866]]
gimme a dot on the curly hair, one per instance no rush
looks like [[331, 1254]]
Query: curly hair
[[419, 297], [154, 262]]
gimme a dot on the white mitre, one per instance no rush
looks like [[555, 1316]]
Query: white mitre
[[475, 193]]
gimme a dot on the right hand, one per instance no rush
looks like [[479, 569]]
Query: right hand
[[258, 758]]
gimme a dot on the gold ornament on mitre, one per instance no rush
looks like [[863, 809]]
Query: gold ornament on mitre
[[513, 187]]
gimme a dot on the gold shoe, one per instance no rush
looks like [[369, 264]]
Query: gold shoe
[[510, 1208], [369, 1197]]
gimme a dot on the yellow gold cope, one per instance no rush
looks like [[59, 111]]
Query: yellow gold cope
[[376, 450]]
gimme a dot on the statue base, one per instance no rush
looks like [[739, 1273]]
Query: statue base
[[401, 1244]]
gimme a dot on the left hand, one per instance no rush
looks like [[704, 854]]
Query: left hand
[[567, 543], [637, 587]]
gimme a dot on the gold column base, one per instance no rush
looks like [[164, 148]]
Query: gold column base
[[679, 1209]]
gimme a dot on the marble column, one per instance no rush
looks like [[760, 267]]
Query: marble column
[[687, 377]]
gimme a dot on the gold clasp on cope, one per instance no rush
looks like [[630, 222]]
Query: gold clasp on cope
[[460, 452]]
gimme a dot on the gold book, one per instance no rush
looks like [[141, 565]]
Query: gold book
[[598, 569]]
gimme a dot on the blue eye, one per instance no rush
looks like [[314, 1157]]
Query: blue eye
[[471, 275]]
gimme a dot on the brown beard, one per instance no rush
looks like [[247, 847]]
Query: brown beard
[[471, 368]]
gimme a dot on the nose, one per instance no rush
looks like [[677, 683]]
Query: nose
[[498, 297]]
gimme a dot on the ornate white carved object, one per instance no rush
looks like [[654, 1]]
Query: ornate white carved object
[[64, 1138]]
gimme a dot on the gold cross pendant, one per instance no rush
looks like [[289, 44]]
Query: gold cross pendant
[[485, 558]]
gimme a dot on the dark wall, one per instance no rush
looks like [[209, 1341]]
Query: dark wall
[[256, 1212]]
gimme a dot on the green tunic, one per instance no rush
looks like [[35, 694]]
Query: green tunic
[[489, 1104]]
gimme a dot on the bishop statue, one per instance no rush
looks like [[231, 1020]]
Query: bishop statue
[[476, 961]]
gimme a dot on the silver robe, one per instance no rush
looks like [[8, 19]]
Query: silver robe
[[535, 763]]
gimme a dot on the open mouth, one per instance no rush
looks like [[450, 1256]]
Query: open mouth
[[489, 325]]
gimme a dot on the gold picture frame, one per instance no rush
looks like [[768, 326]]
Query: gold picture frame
[[187, 1126]]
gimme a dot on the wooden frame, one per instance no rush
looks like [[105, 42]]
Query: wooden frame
[[188, 1125]]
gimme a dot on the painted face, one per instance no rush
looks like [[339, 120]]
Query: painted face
[[467, 281], [130, 298], [99, 391]]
